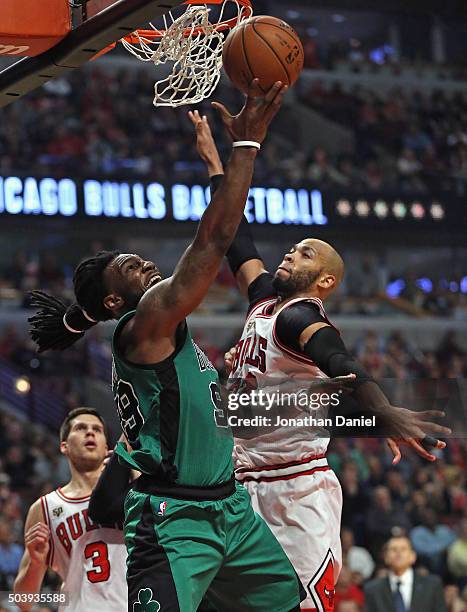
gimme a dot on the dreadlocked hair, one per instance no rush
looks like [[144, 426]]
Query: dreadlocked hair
[[56, 326]]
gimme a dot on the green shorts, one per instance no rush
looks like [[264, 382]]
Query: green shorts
[[179, 551]]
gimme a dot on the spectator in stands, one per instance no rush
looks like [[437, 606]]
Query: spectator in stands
[[373, 178], [457, 556], [416, 139], [10, 556], [17, 465], [449, 346], [356, 558], [431, 541], [354, 498], [51, 275], [14, 273], [383, 516], [371, 355], [347, 589], [322, 171], [417, 504], [454, 602], [348, 606], [403, 589], [9, 342], [5, 490]]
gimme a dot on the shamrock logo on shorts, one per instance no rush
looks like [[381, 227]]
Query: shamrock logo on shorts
[[145, 602]]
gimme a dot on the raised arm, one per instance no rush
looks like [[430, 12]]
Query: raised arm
[[244, 259], [162, 308], [33, 565]]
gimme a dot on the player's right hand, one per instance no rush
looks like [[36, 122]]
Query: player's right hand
[[229, 358], [37, 542], [259, 110]]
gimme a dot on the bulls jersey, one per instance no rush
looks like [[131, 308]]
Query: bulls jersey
[[261, 355], [90, 558]]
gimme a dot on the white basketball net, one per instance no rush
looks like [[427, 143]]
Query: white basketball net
[[194, 45]]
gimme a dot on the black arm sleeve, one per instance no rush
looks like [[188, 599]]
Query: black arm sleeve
[[106, 504], [242, 248], [261, 288], [292, 321], [331, 356]]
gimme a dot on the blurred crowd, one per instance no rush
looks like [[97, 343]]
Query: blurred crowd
[[101, 122], [412, 142], [393, 358], [357, 56], [367, 289], [425, 502]]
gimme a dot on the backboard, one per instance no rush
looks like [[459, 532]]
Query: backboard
[[96, 24]]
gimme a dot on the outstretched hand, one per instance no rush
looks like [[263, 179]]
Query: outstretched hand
[[415, 431], [259, 110], [205, 144]]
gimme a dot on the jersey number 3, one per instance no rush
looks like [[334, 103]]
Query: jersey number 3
[[99, 554]]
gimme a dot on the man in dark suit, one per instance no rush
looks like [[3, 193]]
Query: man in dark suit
[[403, 590]]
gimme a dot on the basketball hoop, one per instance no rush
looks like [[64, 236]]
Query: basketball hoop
[[193, 41]]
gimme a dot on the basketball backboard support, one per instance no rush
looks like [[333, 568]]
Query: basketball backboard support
[[97, 24]]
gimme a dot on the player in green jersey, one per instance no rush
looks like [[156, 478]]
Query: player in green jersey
[[189, 528]]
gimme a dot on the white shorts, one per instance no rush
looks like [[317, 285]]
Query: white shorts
[[302, 504]]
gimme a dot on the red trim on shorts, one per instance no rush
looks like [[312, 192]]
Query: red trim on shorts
[[281, 465], [72, 500], [324, 468]]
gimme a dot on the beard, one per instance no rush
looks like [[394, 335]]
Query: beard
[[132, 298], [296, 283]]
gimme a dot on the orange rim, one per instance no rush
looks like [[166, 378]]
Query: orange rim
[[228, 24]]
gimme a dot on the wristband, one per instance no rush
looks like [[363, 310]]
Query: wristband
[[246, 143], [69, 328]]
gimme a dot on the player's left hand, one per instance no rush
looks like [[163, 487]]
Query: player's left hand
[[417, 444]]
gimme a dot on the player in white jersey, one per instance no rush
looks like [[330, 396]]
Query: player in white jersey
[[287, 336], [90, 558]]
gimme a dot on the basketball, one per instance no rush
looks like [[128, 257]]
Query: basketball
[[263, 47]]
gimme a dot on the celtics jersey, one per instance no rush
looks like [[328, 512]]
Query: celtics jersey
[[172, 416]]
